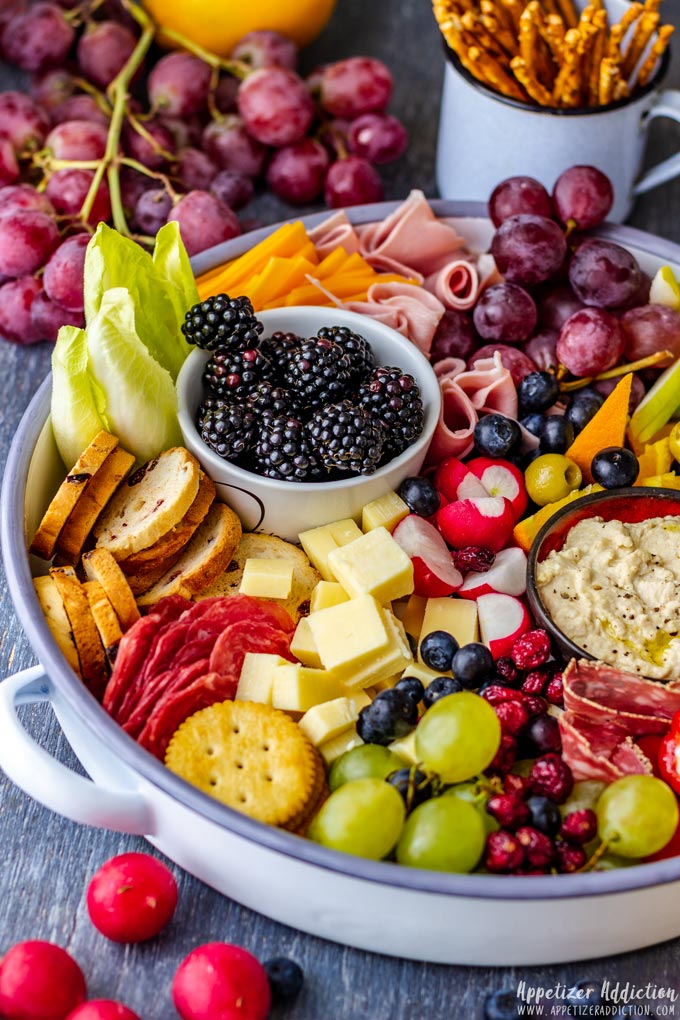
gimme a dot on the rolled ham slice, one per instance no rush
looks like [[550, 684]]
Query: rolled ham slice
[[459, 283], [406, 307], [335, 232]]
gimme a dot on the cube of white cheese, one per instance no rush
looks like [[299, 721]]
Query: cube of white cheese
[[297, 688], [373, 564], [303, 645], [257, 677], [324, 722], [325, 594], [319, 542], [384, 512], [455, 616], [349, 635], [347, 741], [267, 579]]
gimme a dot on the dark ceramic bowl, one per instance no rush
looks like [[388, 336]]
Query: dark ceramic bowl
[[629, 505]]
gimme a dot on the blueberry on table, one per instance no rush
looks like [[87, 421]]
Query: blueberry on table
[[501, 1006], [420, 496], [615, 467], [437, 650], [557, 434], [285, 978], [497, 436], [537, 391]]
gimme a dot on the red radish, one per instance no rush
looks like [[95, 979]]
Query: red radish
[[39, 981], [507, 576], [219, 981], [434, 572], [131, 897], [483, 520], [454, 480], [501, 478], [502, 619], [102, 1009]]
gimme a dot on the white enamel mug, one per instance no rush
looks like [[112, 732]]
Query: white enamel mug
[[485, 137]]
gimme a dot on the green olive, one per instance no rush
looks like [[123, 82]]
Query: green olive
[[551, 477]]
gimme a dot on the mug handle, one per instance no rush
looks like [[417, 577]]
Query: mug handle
[[667, 104]]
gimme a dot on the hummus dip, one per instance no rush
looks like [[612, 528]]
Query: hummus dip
[[614, 590]]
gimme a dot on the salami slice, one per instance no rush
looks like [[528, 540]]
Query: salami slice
[[238, 638], [163, 686], [206, 690], [132, 652]]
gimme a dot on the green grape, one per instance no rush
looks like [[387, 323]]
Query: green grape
[[363, 817], [364, 762], [458, 736], [583, 796], [637, 815], [476, 794], [444, 834]]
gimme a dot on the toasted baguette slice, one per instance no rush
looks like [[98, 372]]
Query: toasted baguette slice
[[210, 550], [99, 565], [69, 492], [52, 606], [151, 502], [268, 547], [105, 619], [146, 578], [85, 634], [98, 492], [174, 540]]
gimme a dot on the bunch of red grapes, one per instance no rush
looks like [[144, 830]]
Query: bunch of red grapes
[[190, 143]]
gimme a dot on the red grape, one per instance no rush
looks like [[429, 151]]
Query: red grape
[[23, 196], [22, 121], [352, 181], [77, 140], [582, 197], [147, 153], [27, 239], [455, 337], [637, 392], [52, 88], [179, 84], [9, 166], [648, 329], [297, 172], [194, 168], [185, 131], [528, 249], [555, 307], [517, 195], [225, 93], [232, 189], [16, 300], [67, 190], [132, 185], [80, 107], [103, 50], [541, 348], [515, 360], [275, 106], [41, 37], [152, 210], [263, 48], [335, 136], [355, 86], [505, 312], [63, 276], [230, 146], [604, 274], [204, 221], [47, 317], [377, 137], [590, 342]]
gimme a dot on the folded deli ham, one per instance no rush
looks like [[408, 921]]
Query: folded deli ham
[[605, 710]]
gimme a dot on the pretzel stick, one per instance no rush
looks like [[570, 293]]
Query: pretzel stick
[[475, 34], [506, 39], [590, 34], [490, 70], [525, 77], [550, 7], [644, 30], [514, 9], [535, 54], [596, 55], [502, 16], [568, 11], [657, 51], [562, 89], [610, 73]]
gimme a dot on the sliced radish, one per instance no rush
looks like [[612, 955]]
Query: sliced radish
[[507, 576], [454, 480], [435, 574], [501, 478], [485, 520], [502, 618]]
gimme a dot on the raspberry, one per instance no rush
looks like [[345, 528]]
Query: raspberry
[[518, 785], [539, 849], [473, 557], [569, 857], [579, 826], [536, 680], [503, 852], [554, 692], [513, 716], [509, 810], [508, 671], [506, 756], [531, 649], [551, 777], [495, 694]]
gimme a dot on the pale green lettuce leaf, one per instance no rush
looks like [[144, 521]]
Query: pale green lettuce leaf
[[77, 400], [171, 261]]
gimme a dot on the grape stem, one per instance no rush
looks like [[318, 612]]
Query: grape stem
[[651, 361], [137, 126], [595, 857], [155, 174]]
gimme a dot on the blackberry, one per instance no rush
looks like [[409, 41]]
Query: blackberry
[[393, 397], [357, 349], [318, 370], [347, 437], [235, 374], [270, 400], [222, 322], [279, 346], [227, 428], [282, 450]]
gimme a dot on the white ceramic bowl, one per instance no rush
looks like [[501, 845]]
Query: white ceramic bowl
[[287, 508]]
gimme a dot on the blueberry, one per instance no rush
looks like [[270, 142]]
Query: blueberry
[[437, 650], [533, 423], [414, 786], [582, 406], [391, 715], [439, 688], [501, 1006], [615, 467], [497, 436], [557, 434], [544, 733], [412, 686], [585, 993], [420, 496], [285, 978], [545, 816], [472, 664], [537, 391]]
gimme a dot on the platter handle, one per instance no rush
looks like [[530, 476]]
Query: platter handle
[[666, 104], [48, 780]]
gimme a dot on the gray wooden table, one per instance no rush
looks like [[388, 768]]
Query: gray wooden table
[[45, 861]]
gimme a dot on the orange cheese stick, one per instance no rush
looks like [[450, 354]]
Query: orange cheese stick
[[277, 279], [289, 240]]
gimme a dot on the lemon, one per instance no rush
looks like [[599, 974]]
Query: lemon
[[217, 25], [665, 289]]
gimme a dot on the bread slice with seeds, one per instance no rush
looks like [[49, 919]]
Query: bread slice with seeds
[[209, 551], [85, 634], [69, 492], [152, 500], [105, 619], [52, 606], [97, 494], [99, 565]]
